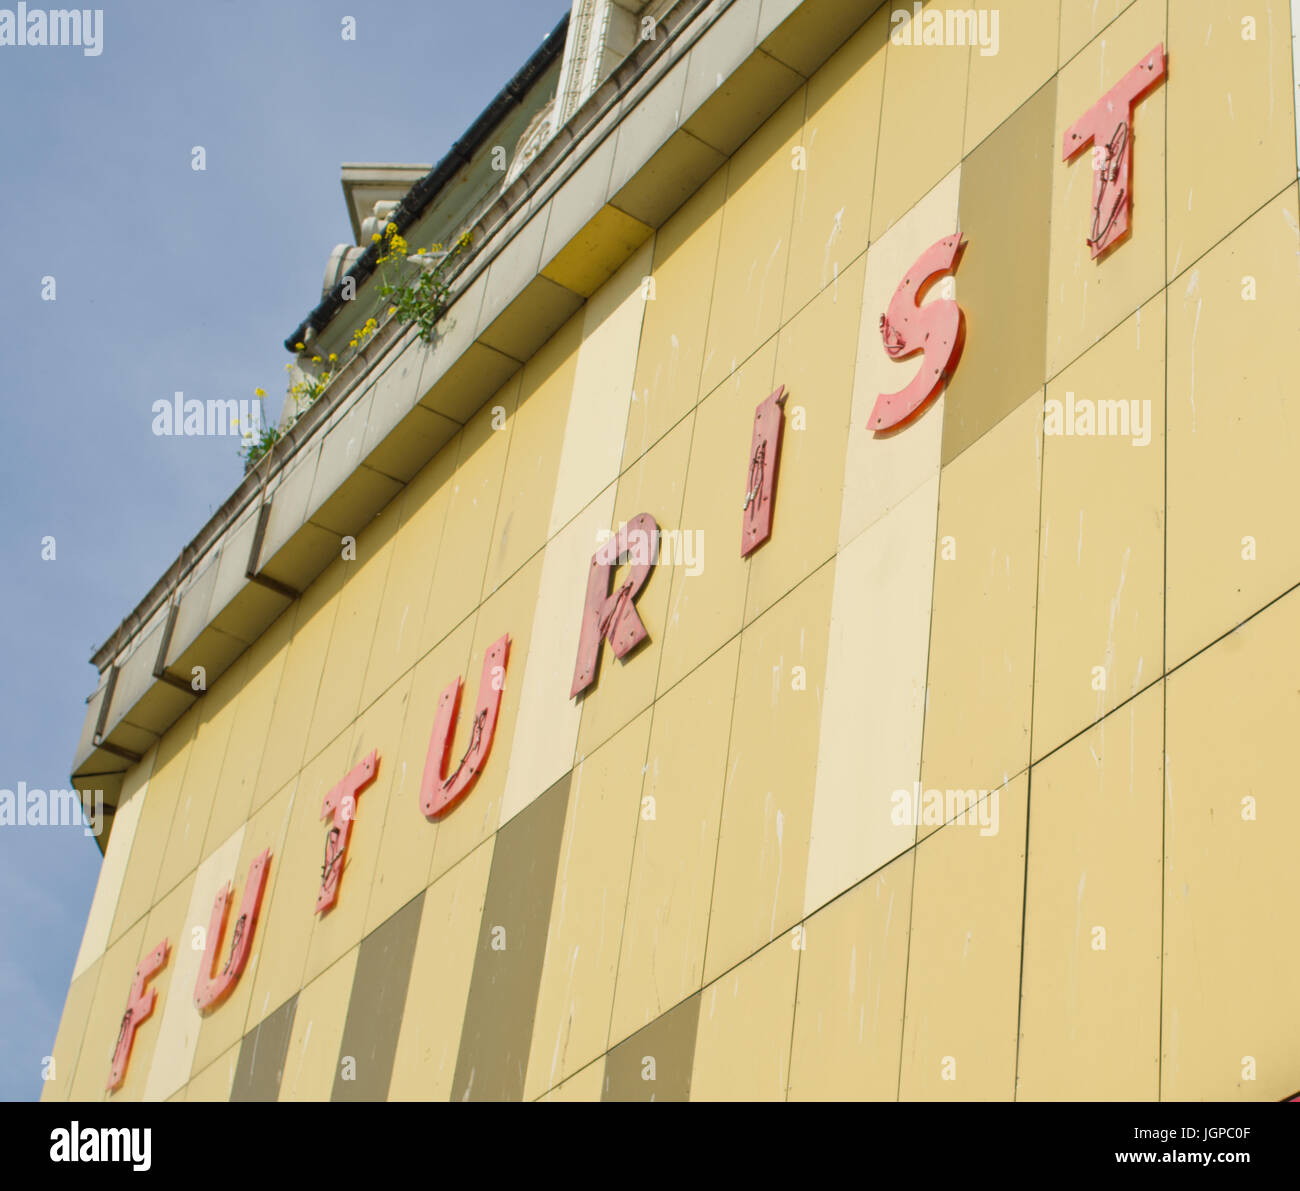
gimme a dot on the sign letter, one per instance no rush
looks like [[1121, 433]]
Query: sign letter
[[614, 617], [341, 806], [439, 793], [1108, 125], [908, 327], [138, 1007], [764, 458], [212, 990]]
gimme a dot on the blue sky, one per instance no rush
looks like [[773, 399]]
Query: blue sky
[[167, 279]]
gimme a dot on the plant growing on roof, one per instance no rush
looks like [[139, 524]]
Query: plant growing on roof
[[256, 442], [421, 300], [304, 393]]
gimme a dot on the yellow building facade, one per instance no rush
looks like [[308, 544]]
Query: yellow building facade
[[734, 868]]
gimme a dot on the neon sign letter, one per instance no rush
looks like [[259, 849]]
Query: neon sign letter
[[936, 329], [341, 806], [439, 792], [211, 990], [138, 1007], [1107, 125], [614, 617]]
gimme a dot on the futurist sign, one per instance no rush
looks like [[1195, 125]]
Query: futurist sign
[[936, 331]]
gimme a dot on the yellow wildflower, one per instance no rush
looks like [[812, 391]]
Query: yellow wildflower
[[259, 392]]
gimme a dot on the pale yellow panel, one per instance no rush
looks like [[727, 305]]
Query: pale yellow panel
[[571, 1026], [422, 516], [1232, 957], [1015, 56], [654, 484], [218, 711], [963, 971], [223, 1026], [104, 1018], [1101, 574], [112, 872], [749, 283], [266, 658], [179, 1019], [1234, 430], [213, 1083], [848, 1021], [407, 844], [510, 610], [57, 1077], [767, 806], [662, 960], [528, 486], [584, 1088], [881, 470], [832, 207], [1087, 297], [742, 1044], [424, 1065], [541, 749], [676, 321], [1090, 991], [920, 122], [1237, 95], [299, 686], [706, 608], [602, 390], [814, 361], [313, 1060], [870, 741], [166, 921], [1082, 20], [467, 536], [354, 628], [165, 783], [982, 628], [378, 729]]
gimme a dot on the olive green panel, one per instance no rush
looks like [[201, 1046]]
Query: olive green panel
[[498, 1029], [261, 1056], [1003, 211], [375, 1009], [655, 1063]]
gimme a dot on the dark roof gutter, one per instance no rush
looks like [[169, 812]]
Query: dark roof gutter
[[426, 189]]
